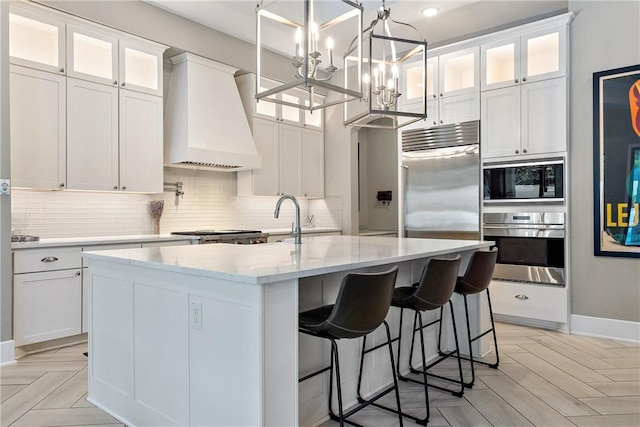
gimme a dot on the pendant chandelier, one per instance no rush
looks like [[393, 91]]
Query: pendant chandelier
[[386, 64], [316, 32]]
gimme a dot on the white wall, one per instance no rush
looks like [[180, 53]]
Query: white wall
[[604, 35]]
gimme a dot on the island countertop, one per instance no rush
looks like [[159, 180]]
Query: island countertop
[[265, 263]]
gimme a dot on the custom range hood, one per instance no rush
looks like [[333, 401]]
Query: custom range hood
[[205, 123]]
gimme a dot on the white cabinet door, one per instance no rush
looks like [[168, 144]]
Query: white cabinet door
[[38, 128], [459, 72], [140, 67], [92, 54], [544, 116], [47, 305], [500, 63], [36, 40], [312, 163], [544, 54], [460, 108], [433, 113], [92, 136], [265, 179], [290, 160], [141, 155], [500, 130]]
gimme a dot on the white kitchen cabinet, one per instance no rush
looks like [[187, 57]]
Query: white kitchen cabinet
[[36, 39], [533, 56], [292, 161], [524, 120], [92, 136], [290, 144], [141, 132], [47, 296], [453, 93], [92, 54], [140, 66], [548, 303], [38, 128]]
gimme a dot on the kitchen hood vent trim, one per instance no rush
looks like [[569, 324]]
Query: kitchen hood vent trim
[[453, 135], [205, 125]]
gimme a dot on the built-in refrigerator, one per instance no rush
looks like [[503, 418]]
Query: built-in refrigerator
[[441, 181]]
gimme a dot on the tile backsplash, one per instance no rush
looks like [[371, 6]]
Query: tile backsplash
[[209, 202]]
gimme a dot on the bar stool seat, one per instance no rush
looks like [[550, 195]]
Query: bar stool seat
[[361, 307]]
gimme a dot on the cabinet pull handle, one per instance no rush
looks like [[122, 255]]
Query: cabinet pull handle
[[122, 84], [516, 80], [62, 185], [524, 79], [524, 150], [49, 259], [435, 123], [115, 82], [62, 70], [517, 152], [441, 122], [115, 187], [124, 187], [521, 297], [434, 95], [440, 94], [77, 273]]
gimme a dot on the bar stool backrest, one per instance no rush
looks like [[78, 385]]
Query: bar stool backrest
[[362, 304], [437, 283], [479, 272]]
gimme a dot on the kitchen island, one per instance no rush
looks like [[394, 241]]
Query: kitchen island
[[207, 335]]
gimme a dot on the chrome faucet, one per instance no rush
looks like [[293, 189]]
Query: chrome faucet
[[296, 232]]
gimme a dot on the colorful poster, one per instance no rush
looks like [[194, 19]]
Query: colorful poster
[[616, 120]]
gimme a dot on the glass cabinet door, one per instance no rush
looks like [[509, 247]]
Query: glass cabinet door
[[289, 114], [501, 64], [459, 72], [314, 119], [92, 55], [36, 41], [543, 55], [140, 68]]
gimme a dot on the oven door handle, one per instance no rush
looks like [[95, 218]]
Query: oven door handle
[[552, 232]]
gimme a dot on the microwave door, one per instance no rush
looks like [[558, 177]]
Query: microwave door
[[442, 193]]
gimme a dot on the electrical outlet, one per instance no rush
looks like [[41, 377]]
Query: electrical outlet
[[5, 187], [196, 315]]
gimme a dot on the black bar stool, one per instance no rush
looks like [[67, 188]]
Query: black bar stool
[[432, 292], [361, 307], [475, 280]]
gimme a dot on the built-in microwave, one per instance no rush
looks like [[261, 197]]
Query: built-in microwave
[[525, 182]]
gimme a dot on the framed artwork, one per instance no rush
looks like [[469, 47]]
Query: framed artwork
[[616, 162]]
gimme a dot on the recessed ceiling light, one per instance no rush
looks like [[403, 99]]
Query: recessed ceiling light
[[430, 11]]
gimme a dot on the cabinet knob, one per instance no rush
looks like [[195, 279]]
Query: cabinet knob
[[115, 82], [62, 70], [524, 79], [78, 273], [521, 297], [62, 185], [124, 187], [122, 84], [435, 123], [441, 122], [305, 194], [517, 81], [440, 94], [517, 152], [49, 259], [524, 150], [434, 95], [115, 187]]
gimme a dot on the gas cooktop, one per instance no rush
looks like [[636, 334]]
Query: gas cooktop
[[215, 232]]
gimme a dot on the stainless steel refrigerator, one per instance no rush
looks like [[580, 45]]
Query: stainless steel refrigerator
[[441, 181]]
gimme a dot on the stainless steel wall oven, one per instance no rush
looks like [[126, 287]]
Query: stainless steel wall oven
[[531, 246]]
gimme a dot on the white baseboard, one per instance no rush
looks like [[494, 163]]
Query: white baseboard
[[605, 328], [7, 353]]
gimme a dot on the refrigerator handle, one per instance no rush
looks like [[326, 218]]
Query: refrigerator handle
[[402, 204]]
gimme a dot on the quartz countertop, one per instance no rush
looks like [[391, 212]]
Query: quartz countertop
[[305, 230], [284, 260], [100, 240]]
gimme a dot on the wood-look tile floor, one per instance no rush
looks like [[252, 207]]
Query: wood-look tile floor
[[545, 378]]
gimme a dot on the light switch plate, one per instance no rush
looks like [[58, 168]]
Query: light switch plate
[[5, 187]]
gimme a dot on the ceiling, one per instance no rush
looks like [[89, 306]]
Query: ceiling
[[456, 20]]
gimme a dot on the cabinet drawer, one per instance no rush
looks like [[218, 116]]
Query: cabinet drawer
[[46, 259], [530, 301]]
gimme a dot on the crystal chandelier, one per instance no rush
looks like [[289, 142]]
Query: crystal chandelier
[[385, 60], [314, 29]]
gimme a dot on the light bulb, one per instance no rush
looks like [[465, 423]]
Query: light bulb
[[375, 72], [365, 78], [298, 35], [394, 70], [390, 84], [329, 43]]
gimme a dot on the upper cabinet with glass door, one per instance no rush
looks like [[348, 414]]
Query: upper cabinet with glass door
[[530, 57], [92, 54], [140, 65], [36, 40], [459, 72]]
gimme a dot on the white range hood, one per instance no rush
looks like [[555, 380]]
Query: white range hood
[[205, 123]]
